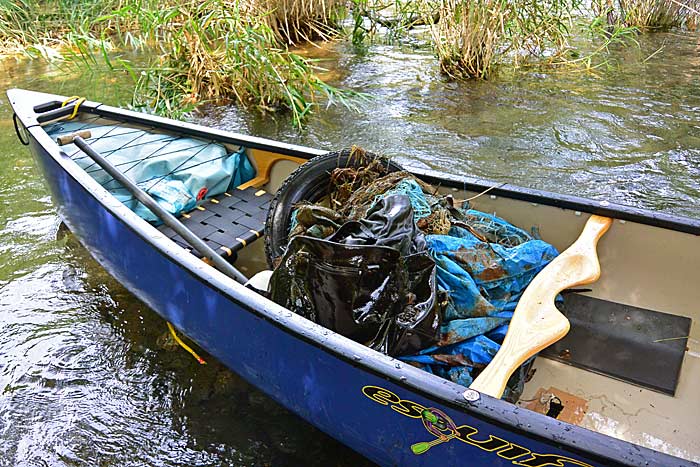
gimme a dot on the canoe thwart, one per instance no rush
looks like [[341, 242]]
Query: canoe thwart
[[536, 322]]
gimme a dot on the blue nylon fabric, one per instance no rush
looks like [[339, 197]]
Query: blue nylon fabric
[[484, 282], [146, 157]]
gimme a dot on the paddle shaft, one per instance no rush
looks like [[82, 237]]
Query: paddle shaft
[[168, 219]]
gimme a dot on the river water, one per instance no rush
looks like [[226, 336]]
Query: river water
[[87, 376]]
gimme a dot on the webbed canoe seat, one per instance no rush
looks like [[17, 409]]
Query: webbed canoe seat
[[226, 222]]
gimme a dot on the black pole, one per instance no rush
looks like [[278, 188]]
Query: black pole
[[170, 220], [54, 114]]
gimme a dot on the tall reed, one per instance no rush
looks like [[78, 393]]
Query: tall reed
[[660, 14], [296, 21], [468, 35], [206, 51], [472, 36], [221, 51], [17, 27]]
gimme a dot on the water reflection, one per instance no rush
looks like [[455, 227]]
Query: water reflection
[[629, 134], [90, 378]]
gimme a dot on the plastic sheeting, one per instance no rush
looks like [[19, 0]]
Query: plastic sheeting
[[484, 280], [482, 266], [371, 280], [176, 171]]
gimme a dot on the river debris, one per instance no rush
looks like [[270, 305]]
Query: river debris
[[390, 261]]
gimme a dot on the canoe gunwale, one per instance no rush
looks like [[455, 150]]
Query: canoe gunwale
[[494, 411], [568, 202], [563, 201]]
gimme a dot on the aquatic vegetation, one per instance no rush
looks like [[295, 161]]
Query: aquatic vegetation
[[209, 51], [296, 21], [16, 27], [659, 14], [239, 50], [394, 18], [472, 37], [467, 36], [232, 56]]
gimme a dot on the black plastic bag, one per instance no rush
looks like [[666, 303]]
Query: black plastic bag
[[371, 281]]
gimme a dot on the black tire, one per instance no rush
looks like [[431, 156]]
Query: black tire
[[310, 182]]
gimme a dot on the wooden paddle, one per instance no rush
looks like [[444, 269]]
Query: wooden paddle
[[536, 322]]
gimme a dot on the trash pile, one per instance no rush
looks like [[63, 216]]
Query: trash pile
[[389, 262]]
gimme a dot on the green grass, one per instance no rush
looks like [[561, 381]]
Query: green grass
[[205, 51]]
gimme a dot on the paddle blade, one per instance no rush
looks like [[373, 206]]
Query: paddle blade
[[536, 322], [420, 448]]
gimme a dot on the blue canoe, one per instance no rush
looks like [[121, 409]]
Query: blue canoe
[[367, 400]]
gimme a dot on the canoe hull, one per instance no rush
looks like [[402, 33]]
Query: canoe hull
[[367, 401]]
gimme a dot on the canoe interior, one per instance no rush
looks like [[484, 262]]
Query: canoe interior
[[642, 266]]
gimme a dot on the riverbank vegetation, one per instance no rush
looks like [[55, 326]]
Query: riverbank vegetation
[[214, 51], [242, 51], [649, 15]]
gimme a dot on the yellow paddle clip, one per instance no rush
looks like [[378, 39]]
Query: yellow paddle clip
[[77, 101]]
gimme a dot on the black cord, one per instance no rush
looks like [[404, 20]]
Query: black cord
[[19, 134]]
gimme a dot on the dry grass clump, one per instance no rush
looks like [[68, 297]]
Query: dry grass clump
[[660, 14], [296, 21], [468, 35], [472, 36]]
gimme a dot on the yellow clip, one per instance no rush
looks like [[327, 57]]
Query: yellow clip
[[215, 201], [241, 240], [78, 101], [70, 99], [259, 192]]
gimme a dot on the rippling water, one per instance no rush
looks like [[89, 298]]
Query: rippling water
[[87, 374]]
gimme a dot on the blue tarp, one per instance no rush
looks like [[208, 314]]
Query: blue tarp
[[176, 171], [484, 281]]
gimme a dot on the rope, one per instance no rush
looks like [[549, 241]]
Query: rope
[[183, 345], [408, 187], [78, 101], [17, 130]]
